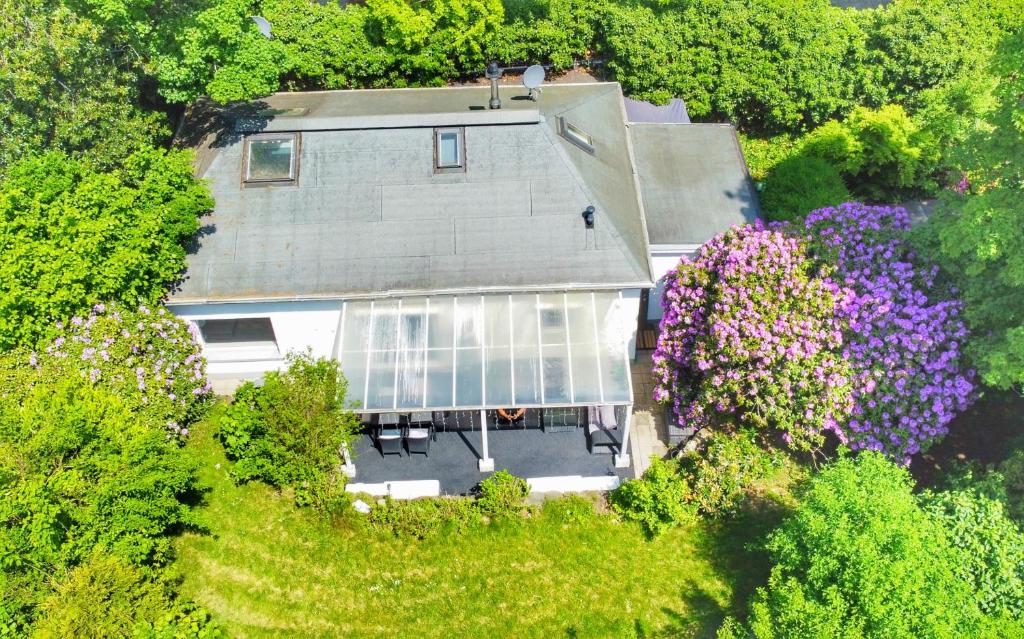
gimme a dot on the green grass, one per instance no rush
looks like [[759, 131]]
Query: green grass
[[266, 569]]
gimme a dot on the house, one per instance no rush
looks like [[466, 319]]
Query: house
[[457, 259]]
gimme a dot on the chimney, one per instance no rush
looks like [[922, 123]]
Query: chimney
[[492, 73]]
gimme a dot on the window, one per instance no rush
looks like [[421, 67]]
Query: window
[[449, 150], [248, 338], [576, 135], [271, 158]]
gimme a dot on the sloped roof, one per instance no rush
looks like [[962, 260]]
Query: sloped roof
[[694, 181], [369, 216], [672, 113]]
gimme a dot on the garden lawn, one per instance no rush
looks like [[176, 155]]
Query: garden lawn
[[266, 568]]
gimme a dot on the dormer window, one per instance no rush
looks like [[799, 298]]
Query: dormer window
[[576, 135], [271, 158], [449, 150]]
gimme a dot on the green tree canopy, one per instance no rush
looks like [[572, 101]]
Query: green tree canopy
[[861, 559], [71, 235], [63, 87], [977, 236]]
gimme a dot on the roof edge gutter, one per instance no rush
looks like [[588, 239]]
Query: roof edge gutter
[[480, 290]]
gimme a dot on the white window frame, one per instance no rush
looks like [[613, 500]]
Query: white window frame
[[293, 169], [460, 145], [239, 351], [576, 135]]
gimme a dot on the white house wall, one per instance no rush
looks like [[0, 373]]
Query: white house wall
[[664, 259], [297, 326], [301, 325]]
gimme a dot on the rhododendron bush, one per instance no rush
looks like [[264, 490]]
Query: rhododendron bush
[[148, 358], [904, 341], [830, 327], [751, 332]]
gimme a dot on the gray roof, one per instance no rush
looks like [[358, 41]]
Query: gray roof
[[672, 113], [369, 217], [694, 181]]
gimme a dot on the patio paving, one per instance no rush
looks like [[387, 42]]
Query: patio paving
[[453, 458], [649, 434]]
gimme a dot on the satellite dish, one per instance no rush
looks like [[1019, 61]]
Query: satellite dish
[[263, 25], [533, 77]]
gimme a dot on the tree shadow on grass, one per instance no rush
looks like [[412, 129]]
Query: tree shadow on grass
[[734, 549]]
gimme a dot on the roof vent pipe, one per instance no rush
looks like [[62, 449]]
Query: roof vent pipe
[[492, 73]]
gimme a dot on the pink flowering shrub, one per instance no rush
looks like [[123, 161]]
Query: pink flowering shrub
[[752, 333], [903, 342], [150, 359]]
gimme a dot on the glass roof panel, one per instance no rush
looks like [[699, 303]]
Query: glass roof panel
[[494, 350]]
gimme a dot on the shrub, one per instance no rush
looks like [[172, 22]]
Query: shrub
[[881, 153], [501, 495], [905, 334], [80, 474], [860, 558], [149, 359], [658, 500], [290, 430], [750, 333], [1012, 470], [107, 598], [719, 475], [423, 518], [991, 548], [798, 185]]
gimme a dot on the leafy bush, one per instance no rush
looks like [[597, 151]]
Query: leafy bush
[[880, 152], [860, 558], [72, 236], [107, 598], [798, 185], [423, 518], [719, 475], [1012, 470], [81, 473], [750, 332], [290, 430], [991, 548], [501, 495], [149, 359], [658, 500], [905, 332]]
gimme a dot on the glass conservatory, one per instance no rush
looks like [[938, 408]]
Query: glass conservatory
[[492, 351]]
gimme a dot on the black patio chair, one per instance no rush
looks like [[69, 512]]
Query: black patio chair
[[601, 421], [417, 440], [389, 441]]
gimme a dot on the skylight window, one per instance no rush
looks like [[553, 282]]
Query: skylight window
[[271, 158], [576, 135], [449, 150]]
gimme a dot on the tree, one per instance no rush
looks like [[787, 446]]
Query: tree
[[975, 234], [72, 235], [65, 88], [751, 332], [860, 559]]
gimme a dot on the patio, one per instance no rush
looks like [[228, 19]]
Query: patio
[[528, 453]]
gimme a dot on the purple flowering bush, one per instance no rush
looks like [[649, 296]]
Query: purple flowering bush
[[751, 332], [148, 358], [904, 339], [840, 330]]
